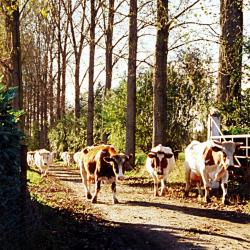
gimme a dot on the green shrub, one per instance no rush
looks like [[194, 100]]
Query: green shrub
[[10, 179]]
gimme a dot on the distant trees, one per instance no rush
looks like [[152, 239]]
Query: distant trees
[[70, 46]]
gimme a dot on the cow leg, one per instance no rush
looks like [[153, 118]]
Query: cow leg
[[113, 187], [205, 179], [224, 189], [46, 170], [199, 189], [97, 190], [84, 181], [163, 187], [187, 178], [156, 193], [224, 194]]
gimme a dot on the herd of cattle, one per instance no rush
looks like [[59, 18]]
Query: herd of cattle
[[206, 164]]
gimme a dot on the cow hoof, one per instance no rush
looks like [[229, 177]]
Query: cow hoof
[[163, 192], [185, 195], [226, 202], [115, 201], [207, 200], [94, 200], [89, 196]]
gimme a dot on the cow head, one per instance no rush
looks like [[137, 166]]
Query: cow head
[[160, 161], [45, 157], [223, 153], [119, 163]]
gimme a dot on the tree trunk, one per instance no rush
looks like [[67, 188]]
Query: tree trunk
[[90, 120], [59, 42], [160, 78], [77, 89], [50, 87], [109, 46], [230, 52], [131, 88], [16, 59]]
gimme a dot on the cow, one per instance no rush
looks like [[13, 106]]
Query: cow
[[77, 158], [102, 164], [159, 164], [208, 162], [30, 158], [67, 158], [43, 159]]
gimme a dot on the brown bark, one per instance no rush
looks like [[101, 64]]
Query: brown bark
[[230, 52], [160, 77], [90, 120], [109, 46], [131, 88], [78, 48], [59, 42]]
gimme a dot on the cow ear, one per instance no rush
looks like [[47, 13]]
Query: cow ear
[[152, 155], [168, 155], [129, 157]]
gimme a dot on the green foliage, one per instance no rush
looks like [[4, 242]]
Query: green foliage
[[10, 135], [68, 134], [144, 111], [10, 180], [114, 116], [189, 96]]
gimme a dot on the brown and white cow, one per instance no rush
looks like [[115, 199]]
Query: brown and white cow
[[208, 162], [159, 164], [102, 164], [43, 159]]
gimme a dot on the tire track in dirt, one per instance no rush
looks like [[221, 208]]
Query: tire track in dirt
[[167, 222]]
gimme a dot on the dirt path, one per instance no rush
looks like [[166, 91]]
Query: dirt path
[[166, 222]]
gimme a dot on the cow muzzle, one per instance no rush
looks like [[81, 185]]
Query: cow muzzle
[[120, 178]]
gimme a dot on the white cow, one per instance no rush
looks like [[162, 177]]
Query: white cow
[[208, 162], [159, 164], [77, 158], [30, 158], [67, 157], [43, 159]]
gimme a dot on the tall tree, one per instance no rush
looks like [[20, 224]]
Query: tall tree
[[131, 87], [90, 120], [230, 52], [109, 45], [77, 47], [12, 23], [160, 75]]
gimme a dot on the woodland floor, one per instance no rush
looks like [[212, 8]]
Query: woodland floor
[[140, 220]]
